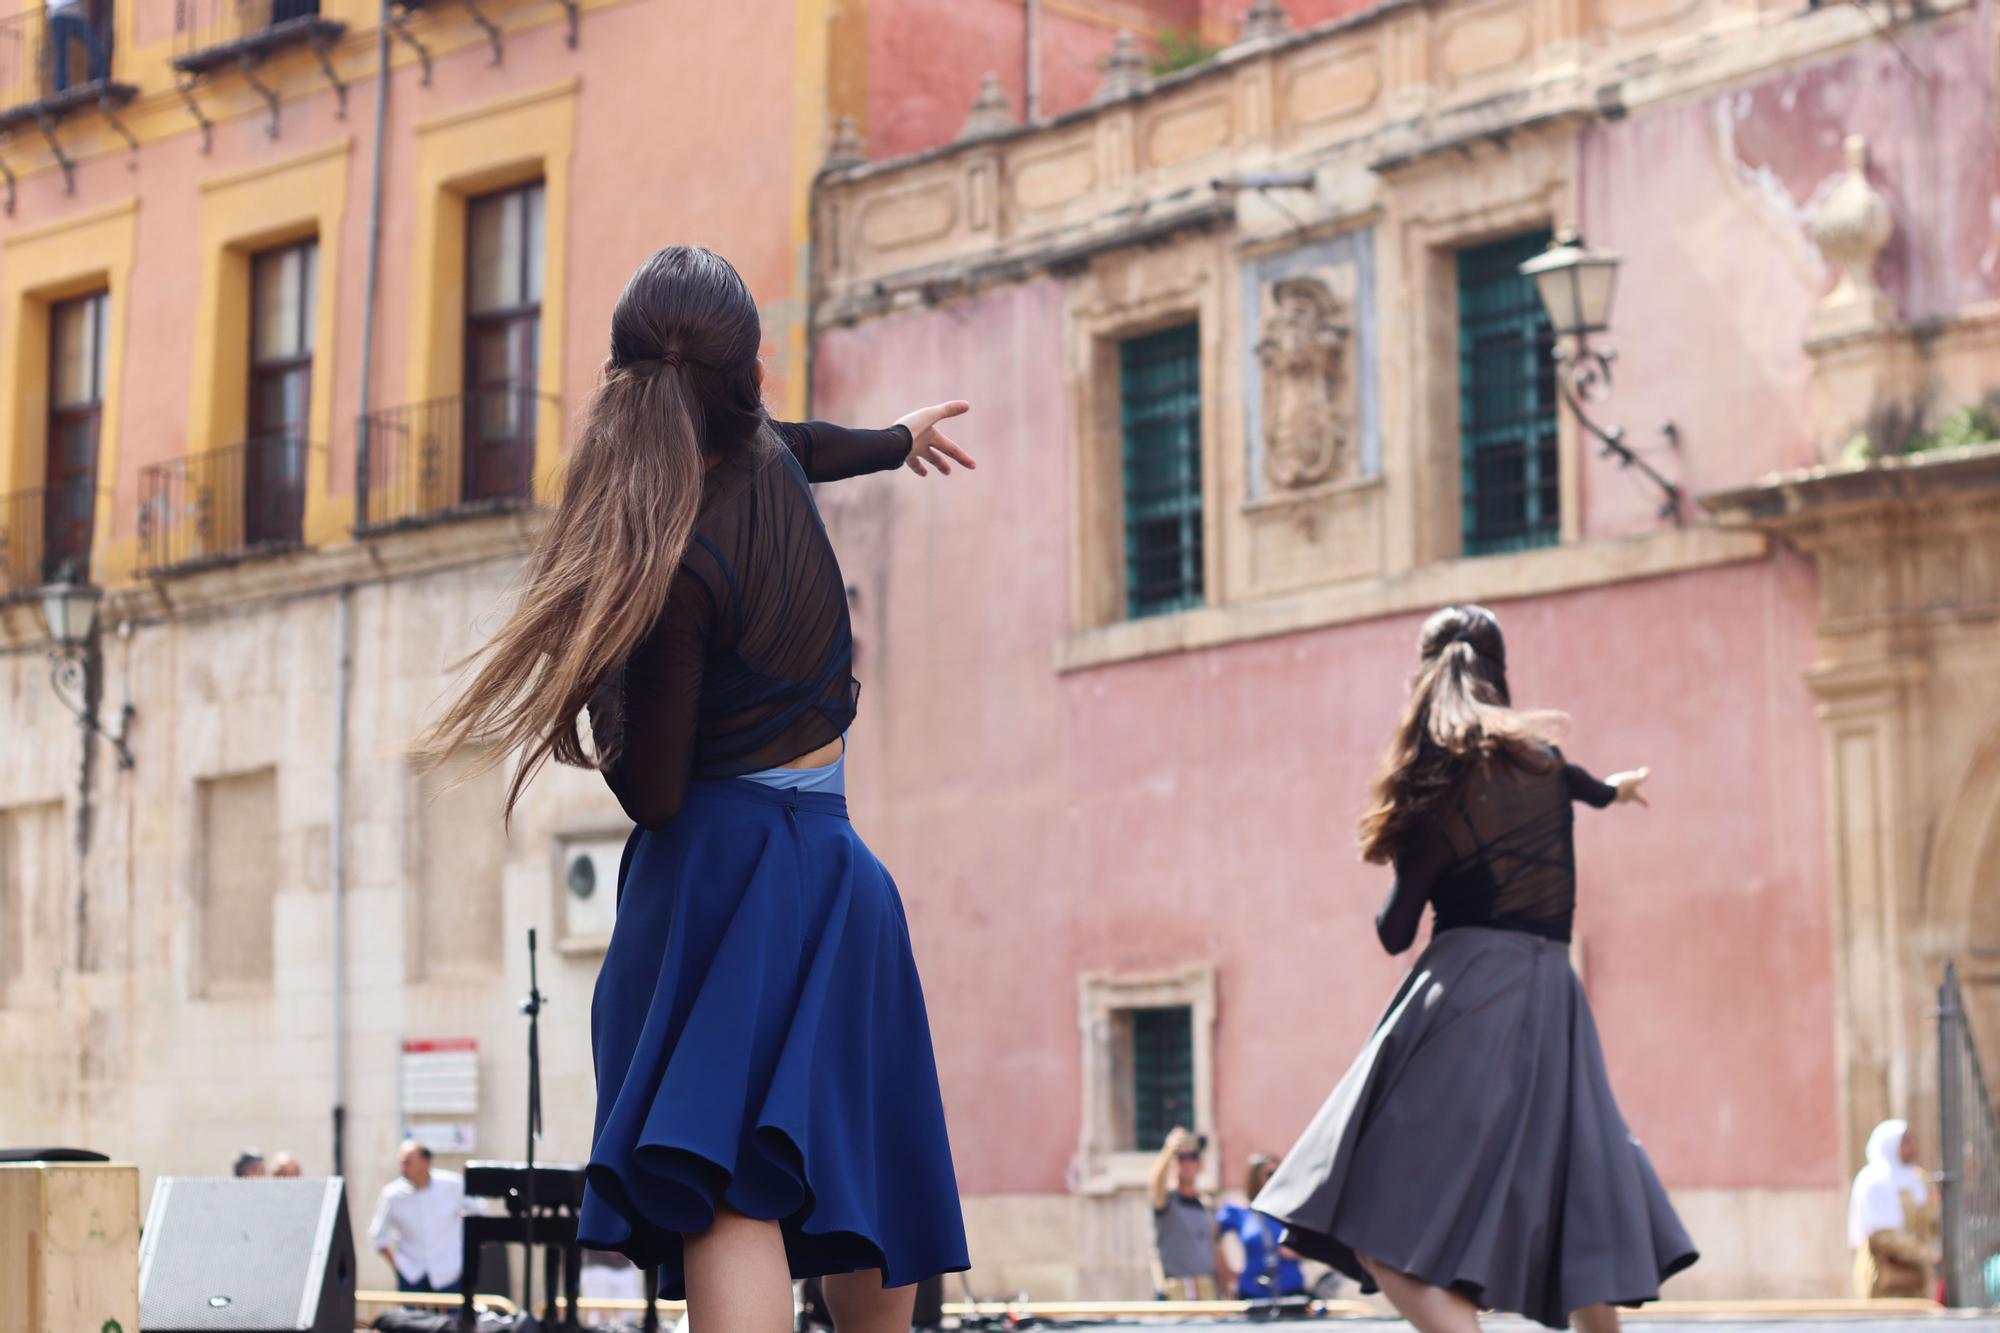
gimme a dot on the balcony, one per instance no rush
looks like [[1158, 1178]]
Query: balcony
[[222, 506], [54, 63], [401, 12], [45, 536], [453, 457], [213, 37]]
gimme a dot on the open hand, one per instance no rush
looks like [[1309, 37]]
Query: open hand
[[1628, 785], [931, 447]]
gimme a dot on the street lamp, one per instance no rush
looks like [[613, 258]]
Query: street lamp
[[69, 612], [1575, 285]]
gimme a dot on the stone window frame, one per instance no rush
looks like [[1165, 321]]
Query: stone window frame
[[30, 978], [203, 985], [420, 965], [1113, 301], [1101, 1167], [1436, 212]]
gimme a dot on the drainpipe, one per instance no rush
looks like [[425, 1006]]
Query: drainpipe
[[368, 302], [344, 607], [1031, 78], [343, 675]]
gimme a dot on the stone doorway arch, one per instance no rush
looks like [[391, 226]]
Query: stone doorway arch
[[1960, 918]]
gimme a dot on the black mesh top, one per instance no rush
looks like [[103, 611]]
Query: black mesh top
[[750, 663], [1497, 852]]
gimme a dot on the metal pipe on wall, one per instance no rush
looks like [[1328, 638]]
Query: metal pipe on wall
[[343, 631], [369, 297], [343, 673]]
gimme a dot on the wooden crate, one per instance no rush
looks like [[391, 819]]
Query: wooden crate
[[69, 1247]]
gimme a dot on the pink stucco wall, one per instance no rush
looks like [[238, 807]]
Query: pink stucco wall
[[1199, 807], [1710, 202]]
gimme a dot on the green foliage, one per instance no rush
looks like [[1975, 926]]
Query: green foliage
[[1175, 50], [1977, 424], [1969, 426]]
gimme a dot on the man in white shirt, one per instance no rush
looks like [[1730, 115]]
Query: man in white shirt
[[418, 1223]]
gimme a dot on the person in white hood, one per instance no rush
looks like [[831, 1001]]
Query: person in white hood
[[1892, 1218]]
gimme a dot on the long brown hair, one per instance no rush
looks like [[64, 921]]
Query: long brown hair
[[682, 385], [1460, 714]]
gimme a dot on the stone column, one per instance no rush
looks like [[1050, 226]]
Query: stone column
[[1869, 710]]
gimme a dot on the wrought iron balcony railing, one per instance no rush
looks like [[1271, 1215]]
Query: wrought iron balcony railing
[[45, 535], [213, 37], [474, 453], [215, 507]]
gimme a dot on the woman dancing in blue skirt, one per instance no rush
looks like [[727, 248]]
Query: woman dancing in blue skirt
[[767, 1101], [1473, 1155]]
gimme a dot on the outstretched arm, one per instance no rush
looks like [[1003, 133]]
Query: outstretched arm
[[833, 453], [1619, 787]]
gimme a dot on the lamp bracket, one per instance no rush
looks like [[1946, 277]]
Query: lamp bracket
[[69, 674], [1583, 375]]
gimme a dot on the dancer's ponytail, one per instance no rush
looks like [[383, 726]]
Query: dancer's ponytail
[[1459, 714]]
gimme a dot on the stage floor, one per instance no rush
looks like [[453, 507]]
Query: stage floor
[[1954, 1321]]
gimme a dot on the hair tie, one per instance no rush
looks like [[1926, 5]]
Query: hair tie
[[650, 365]]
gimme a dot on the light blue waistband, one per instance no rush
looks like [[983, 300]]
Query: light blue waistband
[[830, 778]]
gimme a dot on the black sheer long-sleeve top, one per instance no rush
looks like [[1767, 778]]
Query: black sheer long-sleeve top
[[1497, 852], [750, 664]]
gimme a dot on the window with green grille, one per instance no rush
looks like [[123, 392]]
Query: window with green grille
[[1507, 401], [1162, 1074], [1159, 378]]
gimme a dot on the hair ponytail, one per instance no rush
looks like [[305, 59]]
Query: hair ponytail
[[681, 386], [1460, 714]]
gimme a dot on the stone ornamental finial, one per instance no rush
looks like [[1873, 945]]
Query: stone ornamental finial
[[847, 148], [1126, 70], [1264, 21], [991, 113], [1851, 226]]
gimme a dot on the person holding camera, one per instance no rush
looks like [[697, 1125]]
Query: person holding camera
[[1187, 1255]]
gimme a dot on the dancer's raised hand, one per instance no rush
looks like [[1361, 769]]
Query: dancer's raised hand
[[1628, 785], [931, 447]]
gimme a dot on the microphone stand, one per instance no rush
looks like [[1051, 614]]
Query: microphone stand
[[532, 1007]]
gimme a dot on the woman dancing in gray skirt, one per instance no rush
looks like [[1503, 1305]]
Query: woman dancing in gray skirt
[[1473, 1157]]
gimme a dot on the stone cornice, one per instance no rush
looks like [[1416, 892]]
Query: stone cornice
[[1900, 543], [254, 582], [1799, 504], [1354, 104]]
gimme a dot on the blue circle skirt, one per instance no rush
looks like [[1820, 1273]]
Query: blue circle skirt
[[760, 1041]]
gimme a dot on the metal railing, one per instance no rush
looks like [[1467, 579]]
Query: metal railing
[[52, 58], [1969, 1149], [45, 535], [218, 31], [468, 454], [212, 507]]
